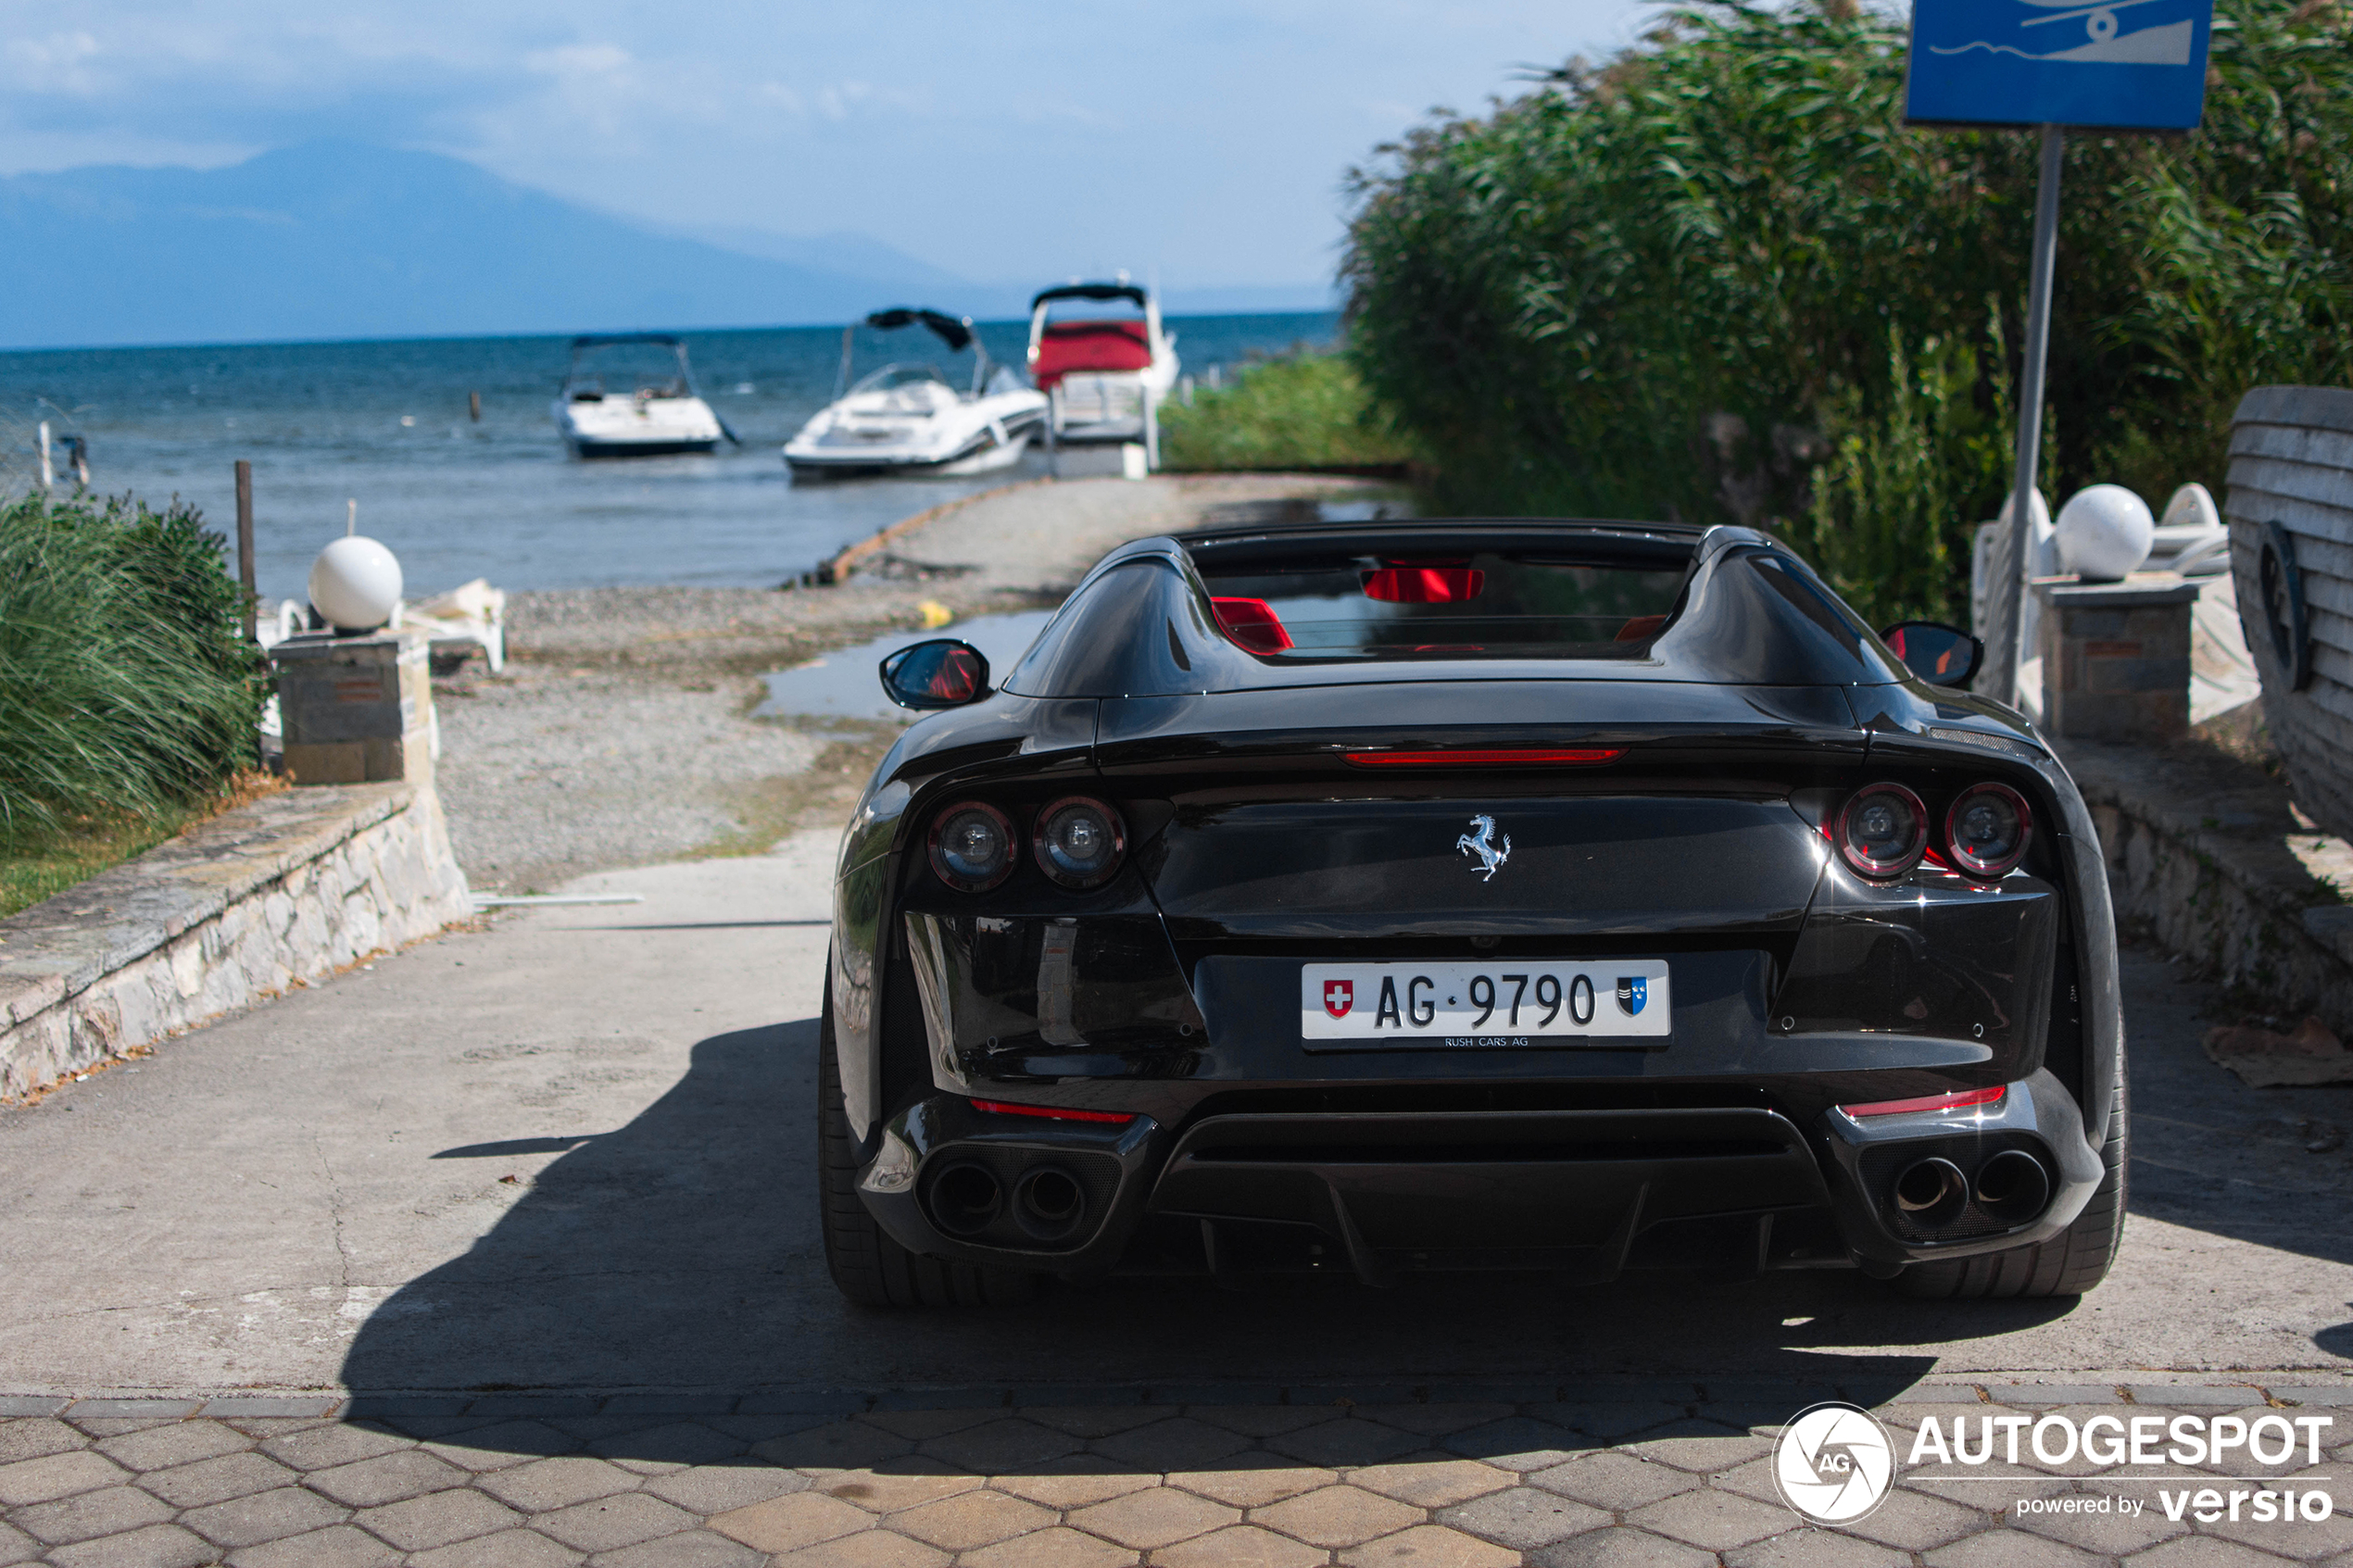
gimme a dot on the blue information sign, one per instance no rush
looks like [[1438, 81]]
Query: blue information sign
[[2127, 65]]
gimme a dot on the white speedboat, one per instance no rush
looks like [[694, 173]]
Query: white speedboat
[[1106, 371], [908, 419], [649, 410]]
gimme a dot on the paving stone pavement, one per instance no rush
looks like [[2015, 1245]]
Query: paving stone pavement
[[1607, 1474]]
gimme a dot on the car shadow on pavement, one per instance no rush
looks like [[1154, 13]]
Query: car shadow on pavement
[[674, 1263]]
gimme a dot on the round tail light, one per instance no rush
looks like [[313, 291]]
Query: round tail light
[[1080, 843], [972, 846], [1986, 831], [1882, 830]]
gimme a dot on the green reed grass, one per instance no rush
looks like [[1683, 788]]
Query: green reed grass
[[1297, 410], [126, 686]]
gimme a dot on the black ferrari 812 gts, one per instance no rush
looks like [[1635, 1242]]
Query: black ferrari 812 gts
[[1366, 898]]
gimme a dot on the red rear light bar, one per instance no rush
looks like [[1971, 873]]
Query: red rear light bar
[[1051, 1112], [1954, 1102], [1552, 759]]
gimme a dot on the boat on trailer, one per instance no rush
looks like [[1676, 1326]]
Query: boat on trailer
[[1105, 373], [661, 414], [908, 419]]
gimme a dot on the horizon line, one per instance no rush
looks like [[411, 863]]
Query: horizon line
[[1333, 310]]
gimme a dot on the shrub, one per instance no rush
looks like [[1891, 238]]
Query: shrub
[[1669, 287], [1301, 411], [126, 684], [1892, 511]]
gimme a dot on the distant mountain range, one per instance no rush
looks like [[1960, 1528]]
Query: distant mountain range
[[345, 240]]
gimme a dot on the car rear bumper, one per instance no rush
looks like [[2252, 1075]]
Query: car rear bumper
[[1590, 1192]]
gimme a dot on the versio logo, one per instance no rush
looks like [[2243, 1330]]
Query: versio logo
[[1833, 1464]]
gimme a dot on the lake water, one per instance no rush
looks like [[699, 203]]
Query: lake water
[[386, 423]]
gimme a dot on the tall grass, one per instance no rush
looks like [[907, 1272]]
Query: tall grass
[[1297, 410], [1677, 283], [126, 685]]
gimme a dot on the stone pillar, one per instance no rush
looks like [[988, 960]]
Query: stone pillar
[[2116, 657], [356, 709]]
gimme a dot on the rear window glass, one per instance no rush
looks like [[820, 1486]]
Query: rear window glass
[[1440, 607]]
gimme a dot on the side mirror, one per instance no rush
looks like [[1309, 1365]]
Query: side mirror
[[1941, 655], [943, 673]]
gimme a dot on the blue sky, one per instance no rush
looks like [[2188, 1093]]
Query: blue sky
[[1203, 141]]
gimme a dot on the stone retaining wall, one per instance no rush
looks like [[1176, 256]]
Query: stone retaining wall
[[2209, 855], [231, 913]]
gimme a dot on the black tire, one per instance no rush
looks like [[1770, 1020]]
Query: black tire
[[2069, 1264], [867, 1265]]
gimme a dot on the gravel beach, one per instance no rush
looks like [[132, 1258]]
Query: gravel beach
[[619, 733]]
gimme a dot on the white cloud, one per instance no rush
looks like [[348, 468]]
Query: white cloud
[[571, 60], [58, 65]]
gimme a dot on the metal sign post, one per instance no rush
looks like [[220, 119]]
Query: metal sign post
[[1992, 63], [2000, 681]]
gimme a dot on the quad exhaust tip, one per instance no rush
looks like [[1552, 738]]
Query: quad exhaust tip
[[1932, 1193], [966, 1198], [2013, 1187], [1049, 1202]]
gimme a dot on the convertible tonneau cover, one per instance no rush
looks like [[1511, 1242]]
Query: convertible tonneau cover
[[1750, 613], [1225, 547]]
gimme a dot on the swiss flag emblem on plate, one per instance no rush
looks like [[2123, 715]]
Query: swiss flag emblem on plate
[[1339, 996]]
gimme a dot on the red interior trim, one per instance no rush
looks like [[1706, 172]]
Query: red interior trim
[[1425, 584], [1252, 624], [1930, 1102], [1050, 1112], [1542, 759]]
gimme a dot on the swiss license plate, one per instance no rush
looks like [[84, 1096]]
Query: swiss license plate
[[1437, 1006]]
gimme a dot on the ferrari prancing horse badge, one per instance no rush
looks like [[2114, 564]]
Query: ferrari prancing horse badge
[[1482, 844]]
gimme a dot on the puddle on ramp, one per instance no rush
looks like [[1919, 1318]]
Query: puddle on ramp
[[843, 686]]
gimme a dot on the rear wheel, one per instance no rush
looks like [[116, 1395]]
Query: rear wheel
[[867, 1265], [2068, 1264]]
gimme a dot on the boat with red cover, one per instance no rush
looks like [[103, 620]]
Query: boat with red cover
[[1100, 354]]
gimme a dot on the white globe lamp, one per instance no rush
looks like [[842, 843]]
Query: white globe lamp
[[355, 583], [2104, 533]]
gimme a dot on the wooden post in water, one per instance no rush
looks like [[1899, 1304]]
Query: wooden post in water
[[473, 406], [245, 549]]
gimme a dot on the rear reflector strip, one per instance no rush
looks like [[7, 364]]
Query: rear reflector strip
[[1930, 1102], [1051, 1112], [1483, 758]]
